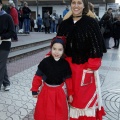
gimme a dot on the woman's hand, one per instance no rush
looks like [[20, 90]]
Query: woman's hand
[[70, 99], [35, 96]]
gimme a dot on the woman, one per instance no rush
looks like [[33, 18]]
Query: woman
[[84, 51], [6, 32]]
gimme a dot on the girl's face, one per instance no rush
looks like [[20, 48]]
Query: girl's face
[[77, 7], [57, 50]]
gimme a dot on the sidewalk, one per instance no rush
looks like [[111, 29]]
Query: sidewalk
[[18, 104], [32, 37]]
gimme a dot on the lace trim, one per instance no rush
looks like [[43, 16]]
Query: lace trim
[[75, 112]]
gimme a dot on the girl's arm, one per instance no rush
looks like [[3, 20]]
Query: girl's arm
[[36, 83]]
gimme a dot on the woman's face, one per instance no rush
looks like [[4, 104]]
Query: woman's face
[[77, 7], [57, 50]]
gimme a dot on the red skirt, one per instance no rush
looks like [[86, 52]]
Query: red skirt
[[51, 104], [85, 99]]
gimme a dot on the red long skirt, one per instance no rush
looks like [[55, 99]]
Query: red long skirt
[[51, 104]]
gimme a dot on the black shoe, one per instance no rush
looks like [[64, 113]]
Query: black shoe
[[117, 47], [114, 46]]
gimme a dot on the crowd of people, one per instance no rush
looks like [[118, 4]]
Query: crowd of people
[[110, 27]]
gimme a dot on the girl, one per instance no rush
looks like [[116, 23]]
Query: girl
[[55, 73]]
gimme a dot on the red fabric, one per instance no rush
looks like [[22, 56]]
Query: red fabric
[[48, 54], [94, 63], [82, 94], [99, 115], [36, 83], [69, 86], [84, 118], [14, 14], [51, 104]]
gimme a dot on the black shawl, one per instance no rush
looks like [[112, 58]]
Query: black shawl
[[84, 39]]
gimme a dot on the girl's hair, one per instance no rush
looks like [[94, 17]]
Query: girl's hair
[[86, 7], [59, 39]]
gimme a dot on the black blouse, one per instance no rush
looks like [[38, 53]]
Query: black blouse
[[54, 72]]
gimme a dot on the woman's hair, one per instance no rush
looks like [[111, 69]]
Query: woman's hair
[[86, 7], [91, 6]]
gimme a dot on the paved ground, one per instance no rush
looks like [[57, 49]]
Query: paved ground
[[18, 104]]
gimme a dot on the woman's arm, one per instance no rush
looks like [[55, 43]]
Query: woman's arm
[[93, 63], [69, 89]]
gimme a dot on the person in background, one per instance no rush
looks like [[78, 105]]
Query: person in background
[[14, 15], [91, 7], [32, 24], [39, 23], [46, 22], [26, 16], [7, 31], [56, 23], [54, 77], [59, 21], [20, 16], [84, 51], [65, 11], [116, 32], [52, 23], [106, 22]]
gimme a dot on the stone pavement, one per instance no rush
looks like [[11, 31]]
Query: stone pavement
[[18, 104]]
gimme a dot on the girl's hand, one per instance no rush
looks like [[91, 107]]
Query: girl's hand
[[70, 99], [35, 96]]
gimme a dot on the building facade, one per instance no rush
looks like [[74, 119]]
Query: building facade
[[57, 6]]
